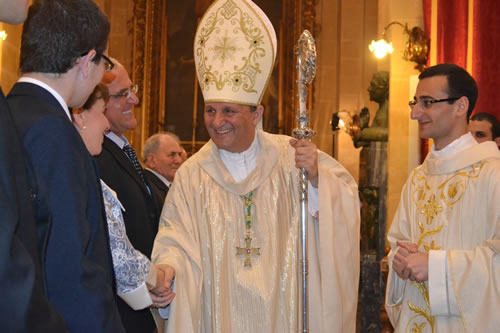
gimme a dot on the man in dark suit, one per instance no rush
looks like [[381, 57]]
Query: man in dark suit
[[162, 155], [121, 171], [24, 304], [62, 59]]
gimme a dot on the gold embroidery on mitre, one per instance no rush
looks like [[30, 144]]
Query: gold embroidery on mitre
[[225, 48], [234, 53]]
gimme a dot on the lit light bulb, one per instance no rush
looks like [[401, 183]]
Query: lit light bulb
[[341, 123], [380, 48], [3, 35]]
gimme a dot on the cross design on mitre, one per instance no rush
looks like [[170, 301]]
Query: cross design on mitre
[[248, 251], [225, 48]]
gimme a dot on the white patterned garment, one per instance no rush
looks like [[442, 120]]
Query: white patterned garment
[[449, 208], [131, 266]]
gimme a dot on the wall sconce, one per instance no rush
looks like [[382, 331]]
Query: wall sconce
[[3, 35], [417, 46], [346, 121]]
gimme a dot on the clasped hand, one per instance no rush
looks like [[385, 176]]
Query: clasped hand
[[306, 156], [161, 294], [410, 264]]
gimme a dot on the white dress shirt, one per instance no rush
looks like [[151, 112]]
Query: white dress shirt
[[163, 179]]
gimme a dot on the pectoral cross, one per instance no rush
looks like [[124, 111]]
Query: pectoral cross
[[247, 251]]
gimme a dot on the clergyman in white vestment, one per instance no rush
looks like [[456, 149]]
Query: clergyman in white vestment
[[230, 224], [445, 237]]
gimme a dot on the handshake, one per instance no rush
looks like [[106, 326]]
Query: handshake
[[161, 293]]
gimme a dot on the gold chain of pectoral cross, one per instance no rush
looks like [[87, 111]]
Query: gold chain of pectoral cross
[[248, 250]]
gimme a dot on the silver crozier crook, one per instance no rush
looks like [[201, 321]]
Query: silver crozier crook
[[306, 70]]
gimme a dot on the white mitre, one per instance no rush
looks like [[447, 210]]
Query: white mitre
[[234, 52]]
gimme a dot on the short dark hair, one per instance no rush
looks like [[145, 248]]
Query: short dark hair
[[495, 124], [57, 32], [99, 92], [460, 82]]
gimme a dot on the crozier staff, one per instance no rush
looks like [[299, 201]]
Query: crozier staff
[[229, 226]]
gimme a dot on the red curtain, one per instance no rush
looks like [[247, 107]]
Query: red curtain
[[427, 21], [452, 42], [424, 143], [486, 55], [452, 31]]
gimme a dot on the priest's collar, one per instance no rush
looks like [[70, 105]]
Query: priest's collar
[[463, 142], [462, 153], [268, 151], [240, 165]]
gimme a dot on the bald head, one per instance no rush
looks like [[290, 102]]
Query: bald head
[[163, 154], [13, 11]]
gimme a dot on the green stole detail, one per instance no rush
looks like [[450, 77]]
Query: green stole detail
[[248, 250]]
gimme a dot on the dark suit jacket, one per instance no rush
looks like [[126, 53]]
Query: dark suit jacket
[[77, 260], [158, 188], [24, 303], [141, 218]]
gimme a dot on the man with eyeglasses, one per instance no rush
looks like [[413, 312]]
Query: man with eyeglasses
[[445, 236], [61, 63], [120, 169]]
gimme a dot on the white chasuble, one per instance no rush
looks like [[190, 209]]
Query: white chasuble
[[450, 207], [203, 222]]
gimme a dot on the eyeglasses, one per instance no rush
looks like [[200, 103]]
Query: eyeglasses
[[426, 103], [108, 64], [126, 93]]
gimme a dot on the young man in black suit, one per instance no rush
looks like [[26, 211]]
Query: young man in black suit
[[62, 59], [24, 304], [121, 171]]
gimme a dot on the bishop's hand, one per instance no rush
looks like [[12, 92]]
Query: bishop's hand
[[306, 156], [162, 294]]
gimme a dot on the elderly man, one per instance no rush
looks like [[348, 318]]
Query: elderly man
[[445, 236], [57, 76], [24, 300], [162, 155], [229, 226], [485, 127], [121, 171]]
